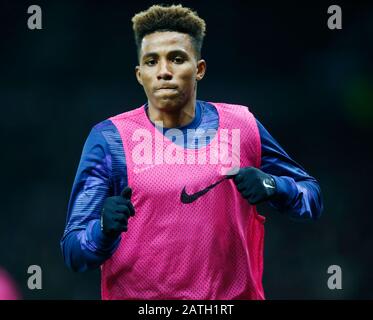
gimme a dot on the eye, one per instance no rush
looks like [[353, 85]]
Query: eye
[[150, 62], [178, 60]]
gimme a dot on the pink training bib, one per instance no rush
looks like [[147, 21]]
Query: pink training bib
[[193, 235]]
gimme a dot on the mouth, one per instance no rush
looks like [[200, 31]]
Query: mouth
[[167, 88]]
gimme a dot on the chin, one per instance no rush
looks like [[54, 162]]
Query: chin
[[168, 104]]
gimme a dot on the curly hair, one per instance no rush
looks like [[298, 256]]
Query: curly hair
[[170, 18]]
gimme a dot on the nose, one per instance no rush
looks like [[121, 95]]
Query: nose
[[164, 72]]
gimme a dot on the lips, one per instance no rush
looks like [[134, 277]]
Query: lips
[[166, 87]]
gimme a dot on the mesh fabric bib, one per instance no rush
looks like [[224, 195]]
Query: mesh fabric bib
[[185, 242]]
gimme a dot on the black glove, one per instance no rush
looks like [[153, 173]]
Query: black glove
[[116, 212], [254, 185]]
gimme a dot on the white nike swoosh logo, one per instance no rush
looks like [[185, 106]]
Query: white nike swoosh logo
[[267, 185]]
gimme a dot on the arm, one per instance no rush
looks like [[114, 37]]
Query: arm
[[297, 193], [84, 245]]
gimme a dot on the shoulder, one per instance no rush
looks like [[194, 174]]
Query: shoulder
[[127, 114], [108, 125], [105, 125], [237, 112], [234, 106], [230, 106], [99, 130], [104, 134]]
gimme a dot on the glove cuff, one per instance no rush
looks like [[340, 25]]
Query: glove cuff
[[286, 192]]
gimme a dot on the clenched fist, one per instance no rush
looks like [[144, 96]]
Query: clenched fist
[[254, 185], [116, 212]]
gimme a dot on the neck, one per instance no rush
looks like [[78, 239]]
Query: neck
[[173, 118]]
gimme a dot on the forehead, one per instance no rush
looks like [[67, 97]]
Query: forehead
[[162, 42]]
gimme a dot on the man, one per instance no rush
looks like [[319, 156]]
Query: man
[[158, 203]]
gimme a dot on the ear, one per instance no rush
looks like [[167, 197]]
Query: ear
[[201, 69], [138, 74]]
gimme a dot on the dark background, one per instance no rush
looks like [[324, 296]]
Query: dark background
[[311, 87]]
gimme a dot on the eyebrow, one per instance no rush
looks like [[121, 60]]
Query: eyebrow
[[173, 52]]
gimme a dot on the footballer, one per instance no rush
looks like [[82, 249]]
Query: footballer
[[164, 198]]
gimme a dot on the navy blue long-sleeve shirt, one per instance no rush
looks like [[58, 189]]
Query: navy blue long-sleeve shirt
[[102, 173]]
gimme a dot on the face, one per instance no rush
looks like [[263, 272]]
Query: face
[[169, 70]]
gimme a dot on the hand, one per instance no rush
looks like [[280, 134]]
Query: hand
[[254, 185], [116, 212]]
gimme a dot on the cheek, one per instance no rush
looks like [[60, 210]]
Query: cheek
[[188, 76], [146, 81]]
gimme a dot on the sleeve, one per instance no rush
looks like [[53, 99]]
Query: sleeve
[[83, 244], [298, 193]]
